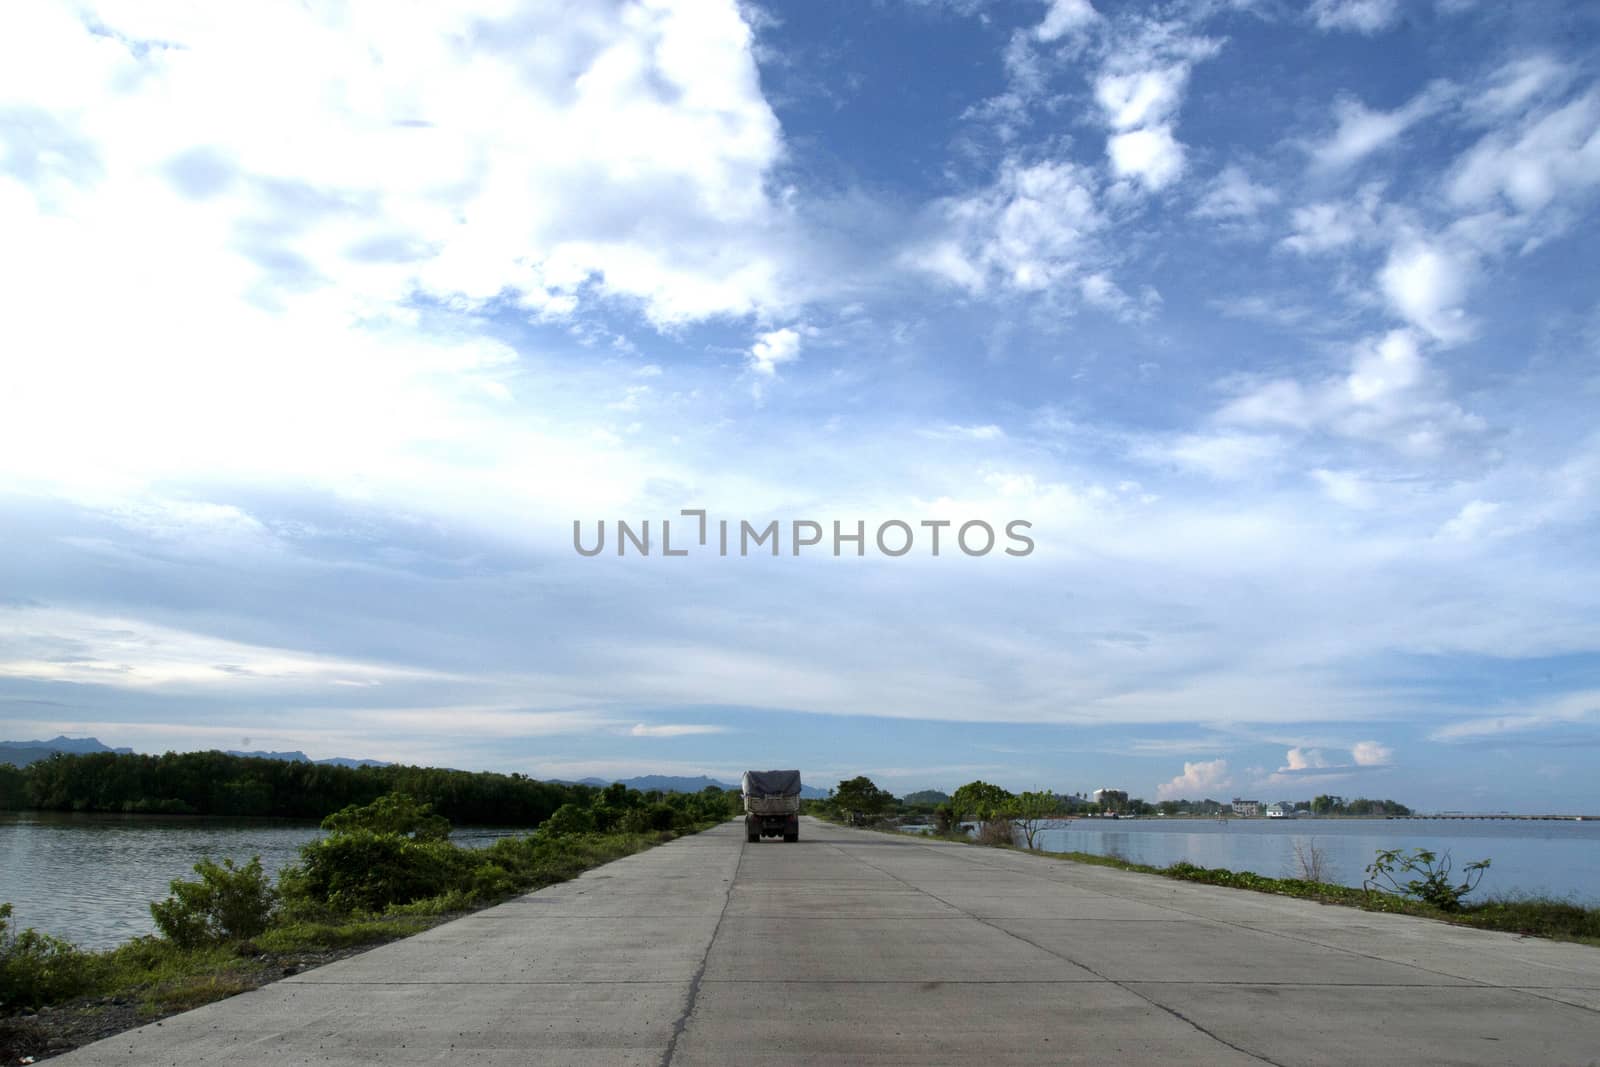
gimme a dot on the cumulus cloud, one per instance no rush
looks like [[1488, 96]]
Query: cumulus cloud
[[1065, 17], [1141, 97], [1197, 780], [1471, 522], [773, 349], [1371, 754], [1153, 156], [1139, 90], [296, 267], [406, 181], [1304, 766], [1389, 395], [1032, 230], [1303, 759], [1426, 283]]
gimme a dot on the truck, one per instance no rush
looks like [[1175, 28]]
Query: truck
[[771, 805]]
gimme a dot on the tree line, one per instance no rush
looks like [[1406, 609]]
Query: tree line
[[215, 783], [860, 800]]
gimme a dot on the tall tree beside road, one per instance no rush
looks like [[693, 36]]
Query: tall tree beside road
[[861, 799], [981, 800]]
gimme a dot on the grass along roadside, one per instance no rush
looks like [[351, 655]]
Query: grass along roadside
[[1531, 916], [372, 880]]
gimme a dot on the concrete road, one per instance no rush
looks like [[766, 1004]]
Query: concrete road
[[852, 947]]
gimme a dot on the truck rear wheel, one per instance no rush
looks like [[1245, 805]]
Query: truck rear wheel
[[791, 838], [753, 836]]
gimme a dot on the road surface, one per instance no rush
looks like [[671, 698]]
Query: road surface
[[852, 947]]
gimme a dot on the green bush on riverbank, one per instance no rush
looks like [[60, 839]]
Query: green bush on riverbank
[[384, 870]]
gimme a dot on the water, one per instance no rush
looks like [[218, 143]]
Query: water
[[1560, 859], [91, 878]]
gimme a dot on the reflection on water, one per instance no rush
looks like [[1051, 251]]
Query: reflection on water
[[91, 878], [1553, 858]]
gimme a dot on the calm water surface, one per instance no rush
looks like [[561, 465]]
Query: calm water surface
[[91, 878], [1559, 859]]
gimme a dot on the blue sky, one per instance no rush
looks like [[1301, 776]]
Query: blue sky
[[1278, 322]]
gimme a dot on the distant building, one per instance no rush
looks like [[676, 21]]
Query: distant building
[[1246, 807], [1280, 810]]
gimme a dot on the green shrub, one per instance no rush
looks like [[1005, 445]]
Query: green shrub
[[38, 969], [365, 871], [568, 819], [1429, 879], [649, 820], [228, 903], [392, 813]]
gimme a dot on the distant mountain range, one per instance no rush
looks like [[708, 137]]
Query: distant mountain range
[[22, 753], [301, 757], [668, 783]]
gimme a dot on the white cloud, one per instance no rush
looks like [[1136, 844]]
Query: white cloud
[[62, 645], [1232, 195], [1330, 225], [1303, 759], [1360, 16], [1380, 371], [1139, 90], [1360, 131], [1471, 522], [1371, 754], [1346, 487], [1032, 230], [675, 729], [1141, 97], [289, 265], [1427, 283], [1307, 766], [773, 349], [377, 170], [1388, 395], [1196, 781], [1551, 156], [1065, 17], [982, 432], [1577, 707], [1153, 156], [1518, 83]]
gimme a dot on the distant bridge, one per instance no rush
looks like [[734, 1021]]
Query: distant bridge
[[1503, 815]]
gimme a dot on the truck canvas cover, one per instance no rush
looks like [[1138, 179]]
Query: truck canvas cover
[[771, 784]]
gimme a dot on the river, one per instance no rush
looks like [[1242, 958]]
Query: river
[[1560, 859], [91, 878]]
